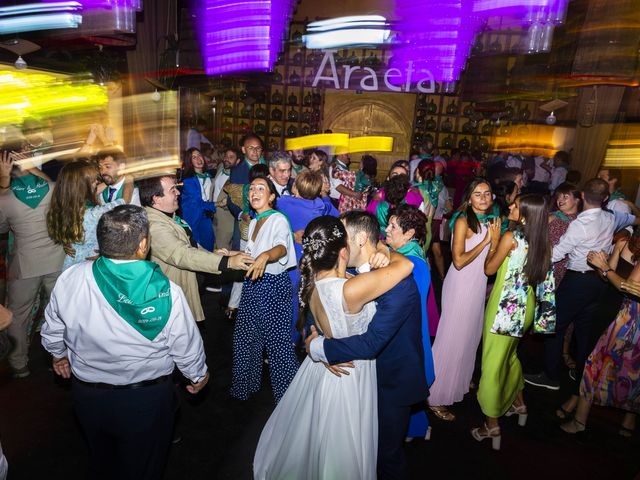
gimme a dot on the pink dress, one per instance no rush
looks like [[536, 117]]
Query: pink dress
[[460, 327]]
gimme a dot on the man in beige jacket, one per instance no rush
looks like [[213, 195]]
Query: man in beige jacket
[[173, 246]]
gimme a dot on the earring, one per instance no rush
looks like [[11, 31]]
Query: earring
[[523, 222]]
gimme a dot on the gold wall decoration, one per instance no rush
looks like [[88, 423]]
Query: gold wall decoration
[[385, 114]]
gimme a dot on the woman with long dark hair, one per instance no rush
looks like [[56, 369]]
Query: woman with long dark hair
[[522, 261], [325, 427], [196, 201], [463, 295]]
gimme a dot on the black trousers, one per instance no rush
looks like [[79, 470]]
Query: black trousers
[[128, 431], [393, 421], [576, 301]]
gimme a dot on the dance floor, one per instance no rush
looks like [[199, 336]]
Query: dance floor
[[42, 440]]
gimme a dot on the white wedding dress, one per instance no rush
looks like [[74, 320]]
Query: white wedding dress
[[325, 427]]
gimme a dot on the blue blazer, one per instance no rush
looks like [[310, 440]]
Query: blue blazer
[[193, 212], [394, 339]]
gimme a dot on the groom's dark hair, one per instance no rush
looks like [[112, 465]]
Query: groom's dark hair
[[360, 221]]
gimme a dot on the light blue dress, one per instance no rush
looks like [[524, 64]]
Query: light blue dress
[[90, 225]]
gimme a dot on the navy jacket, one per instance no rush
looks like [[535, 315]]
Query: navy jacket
[[394, 339]]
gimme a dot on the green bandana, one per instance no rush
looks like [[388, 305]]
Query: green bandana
[[382, 214], [341, 166], [617, 195], [362, 181], [260, 160], [204, 176], [431, 189], [138, 291], [30, 189], [561, 216], [412, 248], [180, 222], [297, 168], [482, 218], [266, 213], [105, 194]]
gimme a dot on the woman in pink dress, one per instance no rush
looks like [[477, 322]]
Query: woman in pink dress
[[463, 295]]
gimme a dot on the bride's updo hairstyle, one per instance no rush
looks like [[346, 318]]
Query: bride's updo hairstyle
[[322, 241]]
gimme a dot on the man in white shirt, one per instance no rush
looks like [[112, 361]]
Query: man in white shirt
[[280, 173], [616, 201], [542, 175], [224, 220], [195, 137], [121, 348], [578, 294], [112, 164], [560, 170]]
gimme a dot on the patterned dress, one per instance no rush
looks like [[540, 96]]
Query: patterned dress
[[348, 179], [510, 311], [612, 373], [557, 228]]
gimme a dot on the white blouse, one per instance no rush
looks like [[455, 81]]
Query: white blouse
[[275, 231]]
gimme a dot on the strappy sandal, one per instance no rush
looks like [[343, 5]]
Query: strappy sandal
[[573, 427], [481, 433], [443, 413], [563, 414], [521, 411]]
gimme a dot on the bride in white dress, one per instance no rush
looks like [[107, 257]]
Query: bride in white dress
[[326, 426]]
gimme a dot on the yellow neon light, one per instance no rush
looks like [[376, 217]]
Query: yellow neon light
[[322, 139], [367, 144], [39, 95]]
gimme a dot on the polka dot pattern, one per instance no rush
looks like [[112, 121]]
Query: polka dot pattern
[[264, 323]]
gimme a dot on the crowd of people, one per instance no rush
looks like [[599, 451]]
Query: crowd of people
[[321, 263]]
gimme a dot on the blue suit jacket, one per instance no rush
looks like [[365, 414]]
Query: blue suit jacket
[[394, 339], [193, 211]]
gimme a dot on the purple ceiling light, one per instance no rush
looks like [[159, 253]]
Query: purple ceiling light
[[243, 36], [437, 35]]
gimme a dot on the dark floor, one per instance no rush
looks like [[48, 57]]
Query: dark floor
[[219, 435]]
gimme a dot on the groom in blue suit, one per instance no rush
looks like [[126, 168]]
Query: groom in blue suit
[[394, 339]]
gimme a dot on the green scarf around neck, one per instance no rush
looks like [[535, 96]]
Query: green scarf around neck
[[430, 190], [138, 291], [105, 194], [412, 248], [30, 189]]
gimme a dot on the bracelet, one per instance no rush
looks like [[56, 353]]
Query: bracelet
[[604, 272]]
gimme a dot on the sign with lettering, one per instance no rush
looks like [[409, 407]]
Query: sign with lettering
[[356, 77]]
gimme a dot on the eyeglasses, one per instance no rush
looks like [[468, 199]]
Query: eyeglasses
[[254, 149]]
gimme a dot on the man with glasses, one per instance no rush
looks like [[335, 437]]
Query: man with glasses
[[252, 151]]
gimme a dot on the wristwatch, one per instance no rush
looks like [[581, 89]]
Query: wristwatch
[[604, 272]]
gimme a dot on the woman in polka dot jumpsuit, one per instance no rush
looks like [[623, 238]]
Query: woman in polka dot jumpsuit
[[265, 311]]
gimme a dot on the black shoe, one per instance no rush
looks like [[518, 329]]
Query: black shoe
[[541, 380]]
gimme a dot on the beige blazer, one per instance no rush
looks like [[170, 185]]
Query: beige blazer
[[35, 254], [170, 248]]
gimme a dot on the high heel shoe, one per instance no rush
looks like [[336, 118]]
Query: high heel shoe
[[492, 433], [574, 426], [521, 411]]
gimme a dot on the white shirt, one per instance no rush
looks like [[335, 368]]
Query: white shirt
[[103, 348], [558, 176], [334, 184], [514, 161], [218, 183], [206, 186], [135, 196], [280, 188], [274, 231], [541, 175], [592, 230], [195, 138]]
